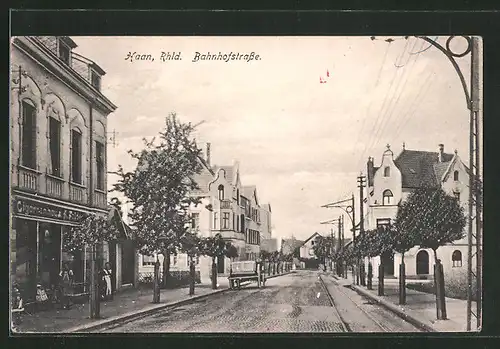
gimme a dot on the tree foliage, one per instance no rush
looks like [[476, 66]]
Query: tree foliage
[[92, 230], [324, 247], [159, 187], [431, 218], [215, 246]]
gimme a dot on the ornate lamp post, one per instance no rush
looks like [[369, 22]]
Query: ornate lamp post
[[475, 198], [351, 213]]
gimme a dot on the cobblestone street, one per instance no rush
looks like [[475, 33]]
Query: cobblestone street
[[293, 303]]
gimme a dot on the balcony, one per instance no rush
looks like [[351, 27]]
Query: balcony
[[225, 204], [55, 186], [100, 198], [77, 193], [28, 179]]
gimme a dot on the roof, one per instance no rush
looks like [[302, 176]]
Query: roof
[[229, 170], [266, 207], [418, 168], [125, 230], [203, 178], [310, 237]]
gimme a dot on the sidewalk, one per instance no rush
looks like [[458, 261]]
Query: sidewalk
[[124, 304], [419, 306]]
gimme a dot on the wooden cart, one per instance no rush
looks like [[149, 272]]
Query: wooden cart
[[246, 271]]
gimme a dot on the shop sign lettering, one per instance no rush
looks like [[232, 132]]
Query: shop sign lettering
[[32, 208]]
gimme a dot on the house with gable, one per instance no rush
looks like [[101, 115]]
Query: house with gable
[[306, 250], [392, 182]]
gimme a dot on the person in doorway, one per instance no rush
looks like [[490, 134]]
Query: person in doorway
[[109, 280], [65, 285], [106, 282]]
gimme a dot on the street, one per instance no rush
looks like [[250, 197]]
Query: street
[[292, 303]]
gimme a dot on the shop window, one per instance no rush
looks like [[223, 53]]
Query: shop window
[[76, 156], [28, 157], [456, 258], [388, 198], [99, 149]]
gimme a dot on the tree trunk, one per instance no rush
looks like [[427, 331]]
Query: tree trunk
[[402, 281], [156, 282], [214, 274], [439, 286], [192, 273], [370, 275], [381, 279], [166, 269]]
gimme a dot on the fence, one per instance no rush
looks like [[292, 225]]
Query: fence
[[176, 278]]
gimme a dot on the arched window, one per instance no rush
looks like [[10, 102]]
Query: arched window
[[456, 258], [387, 171], [76, 156], [455, 176], [55, 146], [388, 198], [28, 138], [221, 192]]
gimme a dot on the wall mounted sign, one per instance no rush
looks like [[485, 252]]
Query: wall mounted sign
[[37, 209]]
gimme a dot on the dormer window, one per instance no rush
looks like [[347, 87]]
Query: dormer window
[[64, 52], [455, 176], [95, 80], [388, 198], [387, 171]]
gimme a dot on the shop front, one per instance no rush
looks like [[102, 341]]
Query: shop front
[[37, 257]]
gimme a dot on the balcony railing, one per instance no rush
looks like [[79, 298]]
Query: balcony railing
[[28, 178], [225, 204], [54, 186], [100, 198], [77, 193]]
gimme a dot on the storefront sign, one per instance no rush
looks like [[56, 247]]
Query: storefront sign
[[37, 209]]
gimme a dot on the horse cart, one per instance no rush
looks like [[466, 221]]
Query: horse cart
[[246, 271]]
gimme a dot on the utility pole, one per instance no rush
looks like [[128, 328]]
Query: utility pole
[[361, 186], [355, 271], [344, 265]]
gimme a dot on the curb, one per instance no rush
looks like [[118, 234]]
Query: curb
[[393, 308], [104, 323]]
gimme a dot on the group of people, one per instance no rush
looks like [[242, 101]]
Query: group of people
[[66, 284]]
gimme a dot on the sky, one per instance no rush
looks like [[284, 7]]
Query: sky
[[301, 142]]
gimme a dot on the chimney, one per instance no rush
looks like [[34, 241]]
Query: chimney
[[208, 154], [370, 171], [441, 152]]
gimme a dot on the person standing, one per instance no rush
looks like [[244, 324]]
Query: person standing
[[66, 285], [106, 281], [109, 282]]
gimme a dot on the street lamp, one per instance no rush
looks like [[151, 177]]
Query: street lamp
[[475, 200]]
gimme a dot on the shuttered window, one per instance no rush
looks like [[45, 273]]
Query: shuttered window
[[99, 149], [76, 156]]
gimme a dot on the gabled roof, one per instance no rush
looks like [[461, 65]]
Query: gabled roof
[[249, 191], [418, 170], [310, 237], [229, 172]]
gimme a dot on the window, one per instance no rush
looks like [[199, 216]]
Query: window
[[387, 171], [221, 192], [382, 222], [312, 243], [175, 260], [215, 220], [76, 156], [55, 146], [95, 80], [99, 150], [388, 199], [148, 260], [28, 158], [238, 196], [64, 52], [455, 176], [456, 258], [242, 221], [225, 221], [234, 221], [195, 220]]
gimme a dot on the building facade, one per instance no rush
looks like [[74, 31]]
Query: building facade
[[393, 181], [57, 155], [306, 250]]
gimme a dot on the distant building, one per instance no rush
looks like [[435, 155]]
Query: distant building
[[393, 181], [307, 247]]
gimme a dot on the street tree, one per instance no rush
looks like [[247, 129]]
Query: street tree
[[214, 247], [92, 232], [437, 219], [158, 189]]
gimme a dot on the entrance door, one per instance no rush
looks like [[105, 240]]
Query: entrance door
[[25, 267], [128, 262], [388, 263], [220, 265], [422, 263], [50, 253]]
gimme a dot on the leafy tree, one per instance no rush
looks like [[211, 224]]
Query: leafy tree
[[438, 218], [159, 188], [215, 247], [92, 231], [231, 251]]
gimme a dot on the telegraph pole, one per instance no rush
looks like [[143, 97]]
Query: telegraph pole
[[361, 182], [344, 265]]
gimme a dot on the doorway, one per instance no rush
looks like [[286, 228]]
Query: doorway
[[112, 262], [422, 263], [50, 253], [388, 263], [128, 262], [25, 268], [220, 265]]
